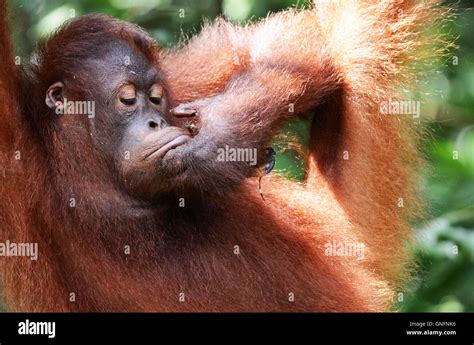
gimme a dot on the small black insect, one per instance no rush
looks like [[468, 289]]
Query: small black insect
[[270, 159]]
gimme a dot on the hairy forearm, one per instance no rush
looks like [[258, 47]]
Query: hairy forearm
[[286, 72], [265, 73]]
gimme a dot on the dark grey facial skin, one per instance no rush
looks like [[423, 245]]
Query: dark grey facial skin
[[131, 130], [128, 117]]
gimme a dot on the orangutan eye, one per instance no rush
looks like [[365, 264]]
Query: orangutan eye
[[127, 95], [155, 100], [128, 101], [156, 94]]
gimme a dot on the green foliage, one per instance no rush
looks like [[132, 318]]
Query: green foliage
[[445, 243], [445, 252]]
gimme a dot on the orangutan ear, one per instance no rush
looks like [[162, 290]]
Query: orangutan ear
[[54, 95]]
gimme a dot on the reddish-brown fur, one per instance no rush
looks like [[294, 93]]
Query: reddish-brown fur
[[309, 58]]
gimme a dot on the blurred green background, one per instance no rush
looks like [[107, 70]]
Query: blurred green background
[[444, 279]]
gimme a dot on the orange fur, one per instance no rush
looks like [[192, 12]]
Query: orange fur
[[338, 59]]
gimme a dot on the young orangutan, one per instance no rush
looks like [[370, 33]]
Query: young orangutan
[[132, 211]]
